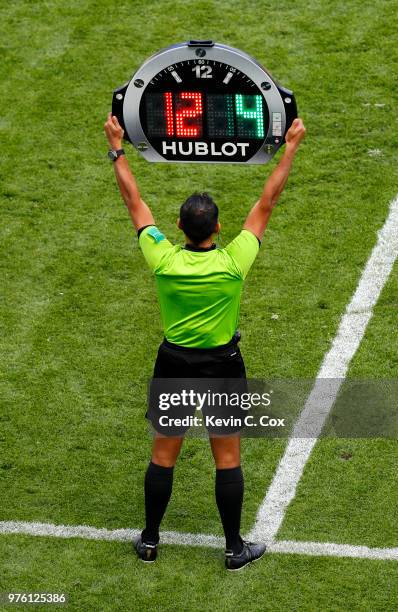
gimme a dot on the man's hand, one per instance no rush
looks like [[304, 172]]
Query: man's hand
[[295, 134], [114, 132], [139, 212]]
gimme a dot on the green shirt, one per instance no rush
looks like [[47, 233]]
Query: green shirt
[[199, 291]]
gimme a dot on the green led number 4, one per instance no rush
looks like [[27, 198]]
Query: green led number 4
[[249, 114], [244, 110]]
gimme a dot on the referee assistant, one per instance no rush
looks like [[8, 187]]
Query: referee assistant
[[199, 288]]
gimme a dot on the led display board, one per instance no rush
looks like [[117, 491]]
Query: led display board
[[201, 101]]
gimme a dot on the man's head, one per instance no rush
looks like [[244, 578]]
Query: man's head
[[199, 217]]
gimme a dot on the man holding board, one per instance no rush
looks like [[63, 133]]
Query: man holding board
[[199, 288]]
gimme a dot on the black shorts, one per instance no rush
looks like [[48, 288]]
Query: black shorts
[[174, 364]]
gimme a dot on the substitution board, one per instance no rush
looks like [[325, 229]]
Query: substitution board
[[201, 101]]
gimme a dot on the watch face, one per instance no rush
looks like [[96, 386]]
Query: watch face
[[203, 107], [112, 155]]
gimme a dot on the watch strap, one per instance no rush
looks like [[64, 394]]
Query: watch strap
[[114, 154]]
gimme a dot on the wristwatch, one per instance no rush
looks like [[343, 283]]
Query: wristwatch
[[113, 154]]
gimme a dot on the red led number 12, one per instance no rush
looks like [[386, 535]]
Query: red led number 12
[[183, 127]]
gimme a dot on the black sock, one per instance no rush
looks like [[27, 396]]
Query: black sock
[[229, 498], [158, 486]]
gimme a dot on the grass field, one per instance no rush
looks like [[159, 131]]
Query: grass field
[[80, 321]]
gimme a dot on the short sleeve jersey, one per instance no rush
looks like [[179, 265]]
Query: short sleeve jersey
[[199, 291]]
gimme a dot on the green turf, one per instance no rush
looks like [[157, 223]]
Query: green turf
[[105, 576], [80, 319]]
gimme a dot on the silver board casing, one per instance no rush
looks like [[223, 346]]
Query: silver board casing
[[182, 52]]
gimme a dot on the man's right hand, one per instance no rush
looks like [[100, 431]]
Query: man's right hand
[[295, 134], [114, 132]]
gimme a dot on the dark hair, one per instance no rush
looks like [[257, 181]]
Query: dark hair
[[199, 216]]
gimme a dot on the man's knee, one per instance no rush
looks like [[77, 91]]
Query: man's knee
[[228, 460], [164, 460], [165, 451], [226, 452]]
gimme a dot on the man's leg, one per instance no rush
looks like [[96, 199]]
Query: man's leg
[[229, 497], [159, 483], [229, 487]]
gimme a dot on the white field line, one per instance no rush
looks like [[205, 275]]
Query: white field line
[[96, 533], [327, 549], [334, 367], [317, 549]]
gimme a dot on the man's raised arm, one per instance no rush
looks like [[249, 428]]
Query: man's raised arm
[[139, 212], [259, 215]]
